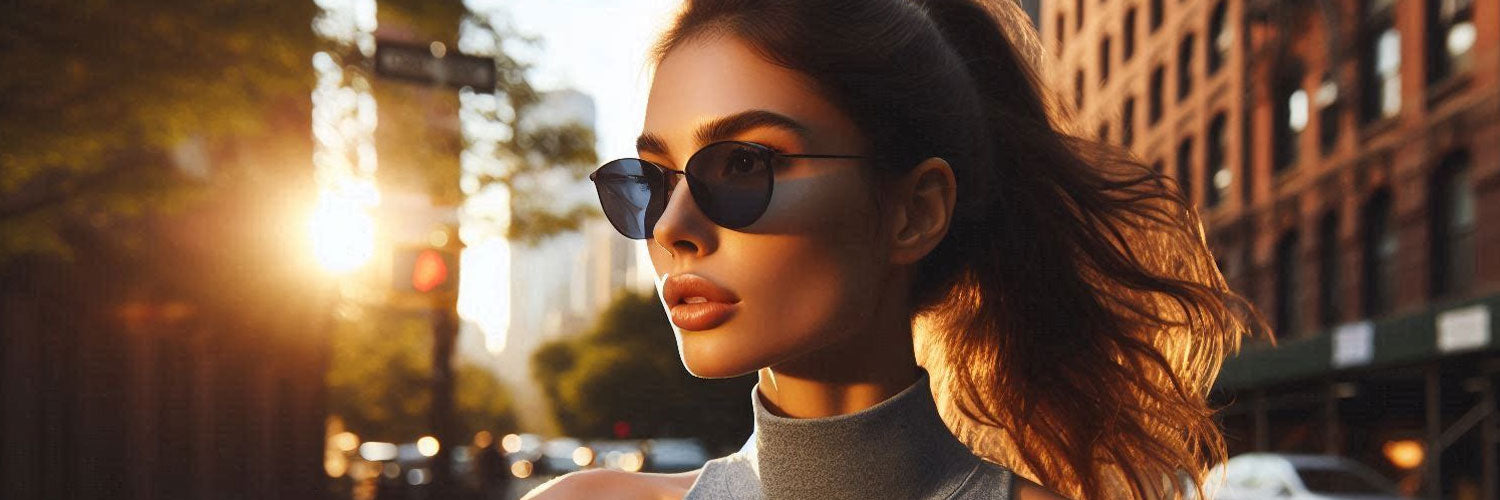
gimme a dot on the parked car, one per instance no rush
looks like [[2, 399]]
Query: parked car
[[674, 455], [625, 455], [1297, 477], [559, 456]]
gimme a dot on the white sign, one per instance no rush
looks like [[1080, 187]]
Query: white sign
[[1353, 344], [1463, 328]]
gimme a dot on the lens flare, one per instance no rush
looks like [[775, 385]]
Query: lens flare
[[342, 232]]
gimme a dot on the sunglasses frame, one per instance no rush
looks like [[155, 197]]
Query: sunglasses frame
[[768, 155]]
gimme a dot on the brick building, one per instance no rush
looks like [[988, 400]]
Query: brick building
[[1345, 157]]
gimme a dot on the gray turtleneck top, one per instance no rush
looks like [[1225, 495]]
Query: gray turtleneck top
[[897, 449]]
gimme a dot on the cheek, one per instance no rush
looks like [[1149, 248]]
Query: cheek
[[805, 286], [816, 278], [835, 209]]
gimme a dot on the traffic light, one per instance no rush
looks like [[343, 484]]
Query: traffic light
[[426, 270]]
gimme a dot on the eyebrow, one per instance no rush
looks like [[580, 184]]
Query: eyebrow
[[726, 128]]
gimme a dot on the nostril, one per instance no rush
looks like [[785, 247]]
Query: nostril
[[684, 246]]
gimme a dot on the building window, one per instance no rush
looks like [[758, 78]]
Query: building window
[[1380, 247], [1452, 211], [1078, 15], [1185, 67], [1219, 175], [1288, 285], [1185, 169], [1329, 285], [1156, 15], [1290, 115], [1062, 31], [1127, 122], [1450, 37], [1153, 99], [1380, 75], [1104, 60], [1221, 38], [1129, 34], [1078, 89], [1327, 100]]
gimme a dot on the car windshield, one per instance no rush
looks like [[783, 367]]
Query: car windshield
[[1338, 481]]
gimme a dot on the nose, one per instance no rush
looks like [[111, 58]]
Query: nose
[[682, 229]]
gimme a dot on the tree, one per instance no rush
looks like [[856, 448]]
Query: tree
[[380, 377], [526, 150], [626, 369], [98, 96], [119, 110]]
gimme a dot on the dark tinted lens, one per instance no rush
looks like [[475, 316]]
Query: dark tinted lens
[[731, 182], [630, 194]]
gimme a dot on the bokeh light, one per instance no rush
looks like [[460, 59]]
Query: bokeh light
[[428, 446], [1406, 454]]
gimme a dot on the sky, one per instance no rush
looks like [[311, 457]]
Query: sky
[[598, 47]]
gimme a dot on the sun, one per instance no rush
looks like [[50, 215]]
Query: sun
[[342, 232]]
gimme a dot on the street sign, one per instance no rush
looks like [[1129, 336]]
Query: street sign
[[1463, 328], [1353, 344], [417, 63]]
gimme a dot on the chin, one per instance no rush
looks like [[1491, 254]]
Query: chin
[[714, 358]]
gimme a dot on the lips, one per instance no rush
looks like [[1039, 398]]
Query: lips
[[697, 304]]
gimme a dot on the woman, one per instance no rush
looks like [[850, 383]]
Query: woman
[[855, 168]]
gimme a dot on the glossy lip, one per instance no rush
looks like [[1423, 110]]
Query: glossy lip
[[721, 303]]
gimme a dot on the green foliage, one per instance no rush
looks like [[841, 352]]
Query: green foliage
[[380, 374], [96, 93], [533, 150], [482, 402], [626, 368], [100, 96]]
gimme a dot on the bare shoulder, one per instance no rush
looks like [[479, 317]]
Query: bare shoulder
[[606, 483], [1028, 490]]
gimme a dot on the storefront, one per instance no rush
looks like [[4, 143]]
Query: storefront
[[1391, 393]]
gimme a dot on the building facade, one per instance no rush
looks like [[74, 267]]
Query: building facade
[[1345, 157]]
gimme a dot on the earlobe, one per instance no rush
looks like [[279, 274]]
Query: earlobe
[[926, 195]]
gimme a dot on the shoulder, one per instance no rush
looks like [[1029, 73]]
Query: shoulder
[[594, 483], [1028, 490]]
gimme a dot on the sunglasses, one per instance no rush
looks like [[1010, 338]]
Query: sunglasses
[[730, 181]]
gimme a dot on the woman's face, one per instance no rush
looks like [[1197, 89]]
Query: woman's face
[[808, 273]]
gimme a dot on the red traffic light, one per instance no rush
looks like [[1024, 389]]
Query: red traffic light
[[429, 271], [425, 270]]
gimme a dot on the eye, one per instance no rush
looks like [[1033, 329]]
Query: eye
[[742, 161]]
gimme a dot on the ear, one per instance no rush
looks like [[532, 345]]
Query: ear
[[922, 208]]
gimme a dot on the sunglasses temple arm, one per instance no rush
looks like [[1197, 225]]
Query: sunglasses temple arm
[[823, 156]]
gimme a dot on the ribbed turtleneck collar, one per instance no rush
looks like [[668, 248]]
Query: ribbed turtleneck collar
[[898, 448]]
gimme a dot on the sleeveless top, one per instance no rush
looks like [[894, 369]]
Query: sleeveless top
[[897, 449]]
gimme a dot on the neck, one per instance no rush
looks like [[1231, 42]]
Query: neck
[[863, 369], [898, 448]]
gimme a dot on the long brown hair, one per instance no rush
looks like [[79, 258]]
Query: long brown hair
[[1079, 310]]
